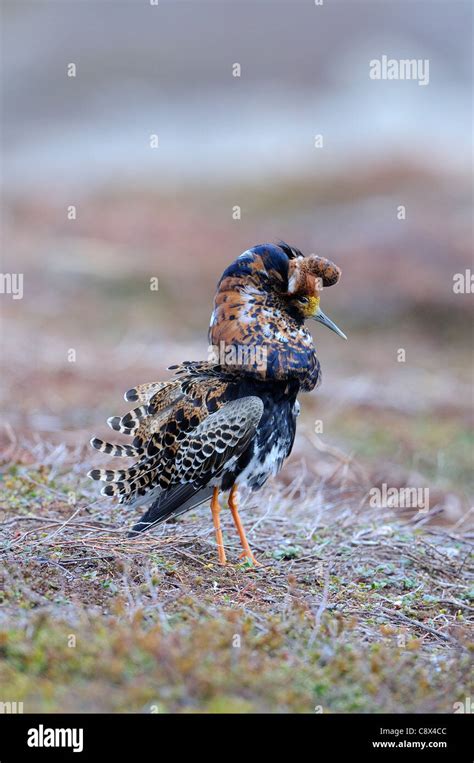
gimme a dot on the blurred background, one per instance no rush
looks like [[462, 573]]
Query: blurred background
[[245, 141]]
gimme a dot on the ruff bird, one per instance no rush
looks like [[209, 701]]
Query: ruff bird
[[229, 420]]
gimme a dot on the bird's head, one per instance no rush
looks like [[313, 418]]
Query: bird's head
[[307, 277], [275, 279], [262, 301]]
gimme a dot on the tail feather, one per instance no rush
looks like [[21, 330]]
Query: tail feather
[[174, 501], [166, 413], [143, 393], [113, 449], [129, 423], [113, 475]]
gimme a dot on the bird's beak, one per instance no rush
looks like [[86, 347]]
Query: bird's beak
[[321, 318]]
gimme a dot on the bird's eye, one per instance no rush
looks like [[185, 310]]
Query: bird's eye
[[303, 300]]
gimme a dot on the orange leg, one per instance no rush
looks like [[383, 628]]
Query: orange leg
[[240, 529], [216, 510]]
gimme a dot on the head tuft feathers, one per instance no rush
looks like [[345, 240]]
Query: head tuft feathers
[[310, 274]]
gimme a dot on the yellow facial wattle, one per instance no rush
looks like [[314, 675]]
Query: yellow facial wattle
[[309, 310]]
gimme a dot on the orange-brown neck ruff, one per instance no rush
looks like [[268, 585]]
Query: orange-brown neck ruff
[[253, 327]]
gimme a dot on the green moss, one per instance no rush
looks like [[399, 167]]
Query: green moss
[[199, 667]]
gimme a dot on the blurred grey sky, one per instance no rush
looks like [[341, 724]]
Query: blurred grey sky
[[167, 70]]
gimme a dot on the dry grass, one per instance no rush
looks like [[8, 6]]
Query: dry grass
[[355, 608]]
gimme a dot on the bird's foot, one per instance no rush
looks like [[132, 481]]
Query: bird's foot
[[249, 557]]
